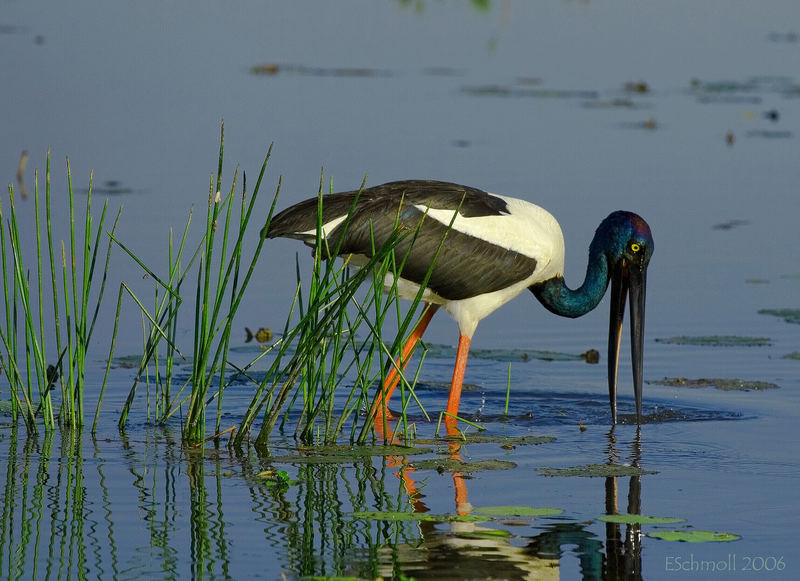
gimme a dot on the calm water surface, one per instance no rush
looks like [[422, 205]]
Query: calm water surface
[[685, 114]]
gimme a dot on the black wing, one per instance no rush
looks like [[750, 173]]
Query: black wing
[[465, 266]]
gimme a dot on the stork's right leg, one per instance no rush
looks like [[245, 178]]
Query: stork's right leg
[[381, 403]]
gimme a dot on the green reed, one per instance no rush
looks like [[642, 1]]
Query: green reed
[[337, 345], [31, 326], [220, 278], [326, 366]]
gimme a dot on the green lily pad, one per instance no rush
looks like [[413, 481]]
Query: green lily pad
[[595, 471], [334, 454], [719, 383], [638, 519], [516, 511], [417, 516], [792, 355], [360, 451], [449, 352], [718, 341], [482, 438], [453, 465], [694, 536], [788, 315]]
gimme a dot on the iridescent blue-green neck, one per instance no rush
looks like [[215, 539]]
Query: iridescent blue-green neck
[[623, 238], [558, 298]]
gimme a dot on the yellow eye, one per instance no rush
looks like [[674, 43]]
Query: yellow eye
[[635, 247]]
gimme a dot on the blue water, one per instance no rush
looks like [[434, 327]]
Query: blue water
[[524, 99]]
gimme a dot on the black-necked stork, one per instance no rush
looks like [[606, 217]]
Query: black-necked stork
[[494, 248]]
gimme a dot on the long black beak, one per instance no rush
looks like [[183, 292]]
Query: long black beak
[[627, 279]]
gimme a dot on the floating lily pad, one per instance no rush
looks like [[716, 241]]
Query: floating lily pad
[[334, 454], [418, 516], [595, 471], [453, 465], [480, 438], [694, 536], [718, 341], [516, 511], [449, 352], [793, 355], [719, 383], [382, 450], [788, 315], [638, 519]]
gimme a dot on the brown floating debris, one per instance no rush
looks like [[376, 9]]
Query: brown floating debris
[[637, 87], [275, 68]]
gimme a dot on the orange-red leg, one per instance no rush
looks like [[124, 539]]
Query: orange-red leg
[[393, 378], [458, 380], [462, 505]]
